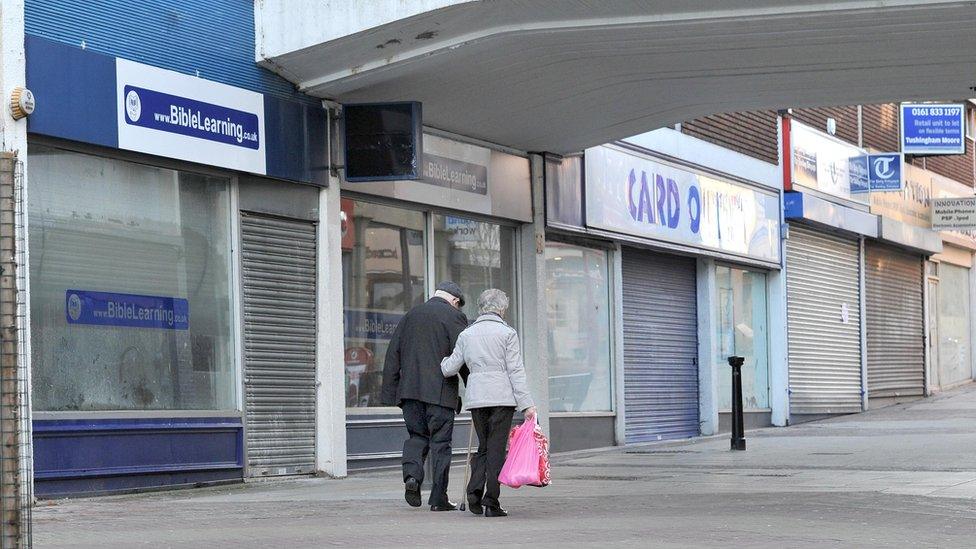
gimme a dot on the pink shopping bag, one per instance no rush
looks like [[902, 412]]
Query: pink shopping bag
[[528, 457]]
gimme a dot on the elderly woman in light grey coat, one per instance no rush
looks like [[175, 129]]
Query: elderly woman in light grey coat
[[496, 387]]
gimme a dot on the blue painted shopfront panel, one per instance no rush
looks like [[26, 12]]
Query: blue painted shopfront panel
[[90, 456]]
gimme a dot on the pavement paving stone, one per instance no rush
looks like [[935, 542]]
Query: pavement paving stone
[[903, 476]]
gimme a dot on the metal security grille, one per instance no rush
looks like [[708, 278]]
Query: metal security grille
[[895, 322], [824, 322], [16, 495], [660, 320], [279, 344]]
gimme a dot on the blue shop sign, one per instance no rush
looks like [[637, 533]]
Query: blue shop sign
[[884, 172], [126, 310], [933, 128], [370, 325], [121, 104]]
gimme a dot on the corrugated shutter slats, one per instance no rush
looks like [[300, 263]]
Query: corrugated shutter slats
[[824, 350], [279, 344], [660, 346], [895, 322]]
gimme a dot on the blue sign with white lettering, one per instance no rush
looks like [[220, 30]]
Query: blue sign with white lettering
[[857, 171], [928, 128], [372, 325], [884, 172], [127, 310], [175, 114]]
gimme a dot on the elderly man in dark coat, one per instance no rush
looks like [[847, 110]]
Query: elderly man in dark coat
[[412, 380]]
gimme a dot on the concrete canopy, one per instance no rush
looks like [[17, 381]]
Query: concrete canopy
[[562, 75]]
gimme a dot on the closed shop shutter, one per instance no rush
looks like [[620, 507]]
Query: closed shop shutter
[[279, 344], [895, 322], [824, 322], [660, 346]]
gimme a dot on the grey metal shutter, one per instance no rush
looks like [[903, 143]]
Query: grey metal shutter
[[823, 322], [278, 276], [660, 319], [895, 322]]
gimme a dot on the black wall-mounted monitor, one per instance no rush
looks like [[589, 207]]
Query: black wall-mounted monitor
[[384, 141]]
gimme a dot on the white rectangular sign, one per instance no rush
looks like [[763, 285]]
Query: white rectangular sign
[[631, 194], [170, 114], [954, 213]]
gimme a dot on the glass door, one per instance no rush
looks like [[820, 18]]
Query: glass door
[[741, 331]]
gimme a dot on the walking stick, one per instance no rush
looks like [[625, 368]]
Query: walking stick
[[467, 468]]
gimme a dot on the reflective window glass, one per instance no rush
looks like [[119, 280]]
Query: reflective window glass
[[383, 277], [741, 331], [131, 302], [578, 293]]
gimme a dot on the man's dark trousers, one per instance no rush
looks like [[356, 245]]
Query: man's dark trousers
[[492, 425], [431, 428]]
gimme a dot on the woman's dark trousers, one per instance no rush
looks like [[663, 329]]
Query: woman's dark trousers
[[492, 425]]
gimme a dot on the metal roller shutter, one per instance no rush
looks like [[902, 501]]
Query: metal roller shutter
[[660, 346], [279, 344], [895, 322], [824, 322]]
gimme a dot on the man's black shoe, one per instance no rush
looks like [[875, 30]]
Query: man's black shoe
[[495, 511], [412, 492], [444, 507], [474, 505]]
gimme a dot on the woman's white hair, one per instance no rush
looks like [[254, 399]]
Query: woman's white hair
[[492, 300]]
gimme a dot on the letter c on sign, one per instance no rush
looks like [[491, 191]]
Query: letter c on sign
[[630, 195], [694, 208]]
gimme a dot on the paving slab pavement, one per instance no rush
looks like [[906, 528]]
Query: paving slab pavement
[[896, 477]]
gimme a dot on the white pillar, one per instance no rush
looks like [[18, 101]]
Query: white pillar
[[330, 420], [617, 326], [532, 296], [13, 136], [779, 374], [707, 348]]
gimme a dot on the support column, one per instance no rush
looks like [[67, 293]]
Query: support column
[[532, 295], [707, 348], [779, 375], [330, 420]]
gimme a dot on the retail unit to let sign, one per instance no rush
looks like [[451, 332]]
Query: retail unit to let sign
[[933, 128], [954, 213], [631, 194]]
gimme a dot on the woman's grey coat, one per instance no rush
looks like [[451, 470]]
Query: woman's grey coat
[[491, 350]]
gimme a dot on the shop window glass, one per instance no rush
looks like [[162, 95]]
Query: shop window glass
[[954, 360], [383, 277], [741, 331], [578, 293], [477, 256], [104, 235]]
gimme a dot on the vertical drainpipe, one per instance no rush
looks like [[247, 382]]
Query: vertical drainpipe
[[926, 333], [861, 278], [779, 373]]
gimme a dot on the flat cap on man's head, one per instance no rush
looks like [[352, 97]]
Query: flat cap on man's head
[[453, 289]]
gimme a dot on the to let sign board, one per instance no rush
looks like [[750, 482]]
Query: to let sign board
[[933, 128], [953, 213]]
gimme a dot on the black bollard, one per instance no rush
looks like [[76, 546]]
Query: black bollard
[[738, 427]]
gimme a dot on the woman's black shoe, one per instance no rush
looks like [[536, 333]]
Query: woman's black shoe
[[491, 511], [474, 505]]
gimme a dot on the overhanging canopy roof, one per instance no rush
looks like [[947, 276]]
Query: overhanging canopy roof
[[564, 75]]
